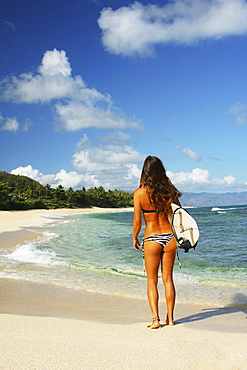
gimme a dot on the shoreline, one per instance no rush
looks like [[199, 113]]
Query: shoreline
[[48, 326], [16, 227]]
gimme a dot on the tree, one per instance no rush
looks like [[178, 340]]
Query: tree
[[21, 192], [29, 192], [47, 191], [4, 194], [70, 195], [59, 193]]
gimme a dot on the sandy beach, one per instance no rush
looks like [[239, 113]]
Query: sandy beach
[[49, 327]]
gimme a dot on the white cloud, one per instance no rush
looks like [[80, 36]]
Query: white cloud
[[116, 137], [190, 154], [28, 171], [126, 176], [83, 143], [105, 157], [69, 179], [66, 179], [240, 111], [196, 176], [110, 166], [10, 124], [55, 63], [136, 29], [200, 180], [76, 115], [27, 124], [84, 107], [113, 166], [52, 81]]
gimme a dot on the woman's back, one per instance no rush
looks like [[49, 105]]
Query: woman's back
[[156, 220]]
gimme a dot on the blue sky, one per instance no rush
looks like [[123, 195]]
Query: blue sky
[[90, 88]]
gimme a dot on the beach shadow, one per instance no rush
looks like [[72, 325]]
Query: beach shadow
[[226, 324]]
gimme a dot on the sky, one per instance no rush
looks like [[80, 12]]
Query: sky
[[89, 88]]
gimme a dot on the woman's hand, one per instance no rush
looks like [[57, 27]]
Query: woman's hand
[[136, 244]]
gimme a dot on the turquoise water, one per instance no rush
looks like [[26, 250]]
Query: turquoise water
[[94, 252]]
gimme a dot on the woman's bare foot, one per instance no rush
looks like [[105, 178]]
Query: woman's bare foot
[[155, 323], [169, 322]]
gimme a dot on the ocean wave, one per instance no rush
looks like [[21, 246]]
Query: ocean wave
[[185, 279], [57, 219], [49, 235], [216, 209], [222, 210], [127, 272], [51, 216], [29, 253]]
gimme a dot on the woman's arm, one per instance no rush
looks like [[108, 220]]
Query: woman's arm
[[137, 220]]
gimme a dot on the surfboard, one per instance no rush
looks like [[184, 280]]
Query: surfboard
[[184, 227]]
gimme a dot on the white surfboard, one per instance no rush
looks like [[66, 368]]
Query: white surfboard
[[185, 228]]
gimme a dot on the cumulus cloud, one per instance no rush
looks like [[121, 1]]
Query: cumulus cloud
[[126, 176], [116, 137], [240, 111], [28, 171], [10, 124], [76, 115], [190, 154], [76, 106], [64, 178], [119, 167], [105, 157], [137, 28], [200, 180], [112, 165], [52, 81]]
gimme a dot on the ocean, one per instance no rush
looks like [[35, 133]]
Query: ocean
[[94, 252]]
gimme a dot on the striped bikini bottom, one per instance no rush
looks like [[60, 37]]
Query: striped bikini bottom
[[162, 239]]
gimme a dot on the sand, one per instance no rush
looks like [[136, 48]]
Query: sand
[[49, 327]]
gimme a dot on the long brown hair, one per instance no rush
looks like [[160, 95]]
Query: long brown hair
[[161, 191]]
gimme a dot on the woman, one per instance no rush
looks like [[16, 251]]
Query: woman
[[153, 198]]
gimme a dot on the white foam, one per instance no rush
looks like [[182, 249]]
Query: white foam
[[185, 279], [51, 216], [12, 276], [50, 235], [29, 253], [216, 209]]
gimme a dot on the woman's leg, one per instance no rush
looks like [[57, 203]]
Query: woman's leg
[[152, 256], [167, 271]]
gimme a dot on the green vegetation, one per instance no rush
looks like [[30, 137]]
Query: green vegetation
[[21, 192]]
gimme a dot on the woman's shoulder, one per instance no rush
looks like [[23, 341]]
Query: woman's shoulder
[[141, 194], [140, 191]]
